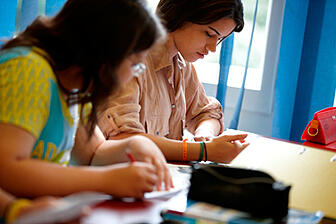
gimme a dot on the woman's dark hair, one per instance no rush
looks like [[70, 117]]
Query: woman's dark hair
[[175, 13], [96, 35]]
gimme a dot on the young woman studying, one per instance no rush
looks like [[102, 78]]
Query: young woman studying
[[168, 97], [53, 76]]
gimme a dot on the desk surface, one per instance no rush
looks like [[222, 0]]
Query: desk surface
[[310, 171]]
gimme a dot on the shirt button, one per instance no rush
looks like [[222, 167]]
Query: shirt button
[[173, 106]]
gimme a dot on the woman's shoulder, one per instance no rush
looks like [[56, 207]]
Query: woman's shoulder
[[13, 53], [29, 58], [20, 52]]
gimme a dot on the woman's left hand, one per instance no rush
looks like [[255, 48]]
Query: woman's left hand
[[225, 148]]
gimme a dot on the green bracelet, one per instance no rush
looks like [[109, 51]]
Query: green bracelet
[[202, 152], [205, 152]]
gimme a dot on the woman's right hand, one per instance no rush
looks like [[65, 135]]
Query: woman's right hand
[[129, 179], [145, 150], [225, 148]]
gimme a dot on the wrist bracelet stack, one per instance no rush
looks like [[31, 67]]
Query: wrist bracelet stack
[[203, 151]]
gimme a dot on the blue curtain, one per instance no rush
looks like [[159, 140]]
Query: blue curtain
[[29, 11], [53, 6], [306, 78], [7, 19], [224, 67], [225, 62], [16, 15]]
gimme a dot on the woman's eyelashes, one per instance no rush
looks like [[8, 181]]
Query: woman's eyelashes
[[208, 34]]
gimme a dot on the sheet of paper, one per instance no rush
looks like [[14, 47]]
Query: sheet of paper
[[67, 208], [181, 179]]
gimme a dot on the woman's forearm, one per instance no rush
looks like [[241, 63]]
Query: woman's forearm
[[111, 152], [31, 178], [219, 149], [172, 149]]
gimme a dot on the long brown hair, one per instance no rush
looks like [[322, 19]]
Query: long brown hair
[[175, 13], [96, 35]]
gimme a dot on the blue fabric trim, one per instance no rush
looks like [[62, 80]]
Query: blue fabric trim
[[53, 130], [6, 55]]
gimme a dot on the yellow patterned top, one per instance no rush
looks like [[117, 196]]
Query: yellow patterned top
[[30, 98]]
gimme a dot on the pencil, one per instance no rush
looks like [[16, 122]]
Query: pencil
[[130, 156]]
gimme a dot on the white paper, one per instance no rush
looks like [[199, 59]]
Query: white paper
[[67, 209], [181, 180]]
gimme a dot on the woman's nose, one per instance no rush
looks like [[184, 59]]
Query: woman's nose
[[211, 45]]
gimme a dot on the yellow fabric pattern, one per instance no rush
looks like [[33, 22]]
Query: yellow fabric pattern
[[64, 104], [24, 95], [85, 113]]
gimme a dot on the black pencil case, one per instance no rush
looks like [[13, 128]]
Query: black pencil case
[[247, 190]]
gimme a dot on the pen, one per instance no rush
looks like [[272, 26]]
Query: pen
[[130, 156]]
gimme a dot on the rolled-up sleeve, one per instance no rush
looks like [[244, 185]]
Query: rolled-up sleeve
[[199, 106], [120, 113]]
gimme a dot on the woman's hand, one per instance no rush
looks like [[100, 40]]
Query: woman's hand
[[114, 151], [129, 179], [225, 148], [143, 149]]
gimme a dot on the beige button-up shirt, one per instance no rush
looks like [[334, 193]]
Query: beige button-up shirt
[[163, 101]]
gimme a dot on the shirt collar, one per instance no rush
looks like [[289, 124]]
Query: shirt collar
[[160, 58]]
